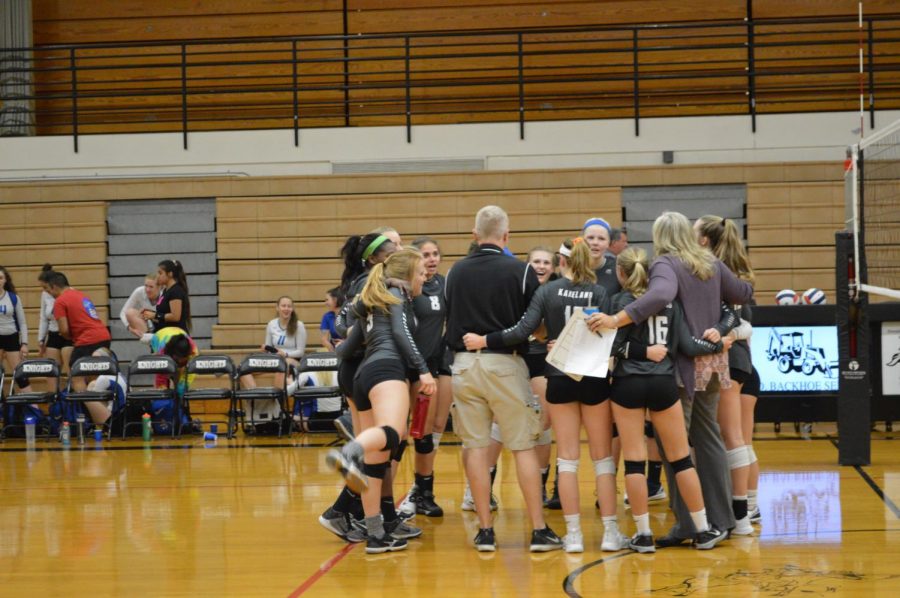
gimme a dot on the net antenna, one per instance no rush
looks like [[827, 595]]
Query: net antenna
[[874, 213]]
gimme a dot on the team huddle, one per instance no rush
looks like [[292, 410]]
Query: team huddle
[[681, 391]]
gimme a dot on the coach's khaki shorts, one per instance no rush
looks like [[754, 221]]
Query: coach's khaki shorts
[[493, 386]]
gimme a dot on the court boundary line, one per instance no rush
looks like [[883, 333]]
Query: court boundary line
[[322, 570], [569, 581], [873, 485], [877, 489]]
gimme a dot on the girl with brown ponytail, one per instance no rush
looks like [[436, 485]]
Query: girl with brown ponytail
[[735, 416]]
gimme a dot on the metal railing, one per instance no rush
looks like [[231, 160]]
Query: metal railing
[[713, 67]]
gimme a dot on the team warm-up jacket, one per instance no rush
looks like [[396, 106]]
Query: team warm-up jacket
[[665, 328], [386, 335], [431, 313], [487, 291], [12, 318], [553, 304]]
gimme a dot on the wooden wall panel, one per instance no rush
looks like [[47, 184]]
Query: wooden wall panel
[[790, 234], [792, 212], [262, 258], [82, 21]]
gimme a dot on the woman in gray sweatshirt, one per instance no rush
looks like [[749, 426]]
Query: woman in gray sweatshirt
[[689, 273]]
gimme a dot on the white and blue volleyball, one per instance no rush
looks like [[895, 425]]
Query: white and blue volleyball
[[814, 297], [787, 297]]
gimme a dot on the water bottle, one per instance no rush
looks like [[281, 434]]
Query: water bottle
[[420, 415], [98, 433], [65, 434], [30, 423], [146, 428], [79, 419]]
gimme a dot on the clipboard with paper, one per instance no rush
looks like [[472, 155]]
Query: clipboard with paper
[[579, 352]]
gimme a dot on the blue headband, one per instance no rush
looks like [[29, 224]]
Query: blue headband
[[597, 222]]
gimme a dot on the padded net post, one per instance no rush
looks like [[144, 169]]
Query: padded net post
[[854, 388]]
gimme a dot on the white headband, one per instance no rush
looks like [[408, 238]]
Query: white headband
[[563, 250]]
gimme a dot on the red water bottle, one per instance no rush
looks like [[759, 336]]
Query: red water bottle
[[420, 414]]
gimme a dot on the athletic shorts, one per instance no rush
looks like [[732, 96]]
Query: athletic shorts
[[537, 364], [751, 387], [656, 393], [371, 375], [438, 366], [589, 391], [739, 376], [57, 341], [86, 351], [10, 342], [346, 375]]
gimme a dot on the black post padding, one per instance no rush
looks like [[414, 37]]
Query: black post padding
[[854, 387]]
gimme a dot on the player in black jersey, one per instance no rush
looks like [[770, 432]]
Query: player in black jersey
[[384, 323], [596, 232], [360, 255], [541, 260], [571, 404], [723, 238], [431, 315], [644, 379]]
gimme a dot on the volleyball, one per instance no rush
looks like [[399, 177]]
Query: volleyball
[[814, 296], [787, 297]]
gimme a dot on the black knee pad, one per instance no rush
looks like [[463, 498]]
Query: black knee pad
[[391, 439], [21, 381], [424, 445], [376, 470], [648, 430], [615, 431], [397, 453], [682, 464], [635, 467]]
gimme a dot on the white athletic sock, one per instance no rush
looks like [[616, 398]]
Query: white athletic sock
[[436, 438], [611, 522], [643, 524], [573, 523], [700, 522], [751, 500]]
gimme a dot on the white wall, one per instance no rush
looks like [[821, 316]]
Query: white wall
[[566, 144]]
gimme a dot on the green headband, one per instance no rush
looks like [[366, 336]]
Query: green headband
[[379, 240]]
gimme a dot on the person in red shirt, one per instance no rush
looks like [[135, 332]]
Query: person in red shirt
[[78, 320]]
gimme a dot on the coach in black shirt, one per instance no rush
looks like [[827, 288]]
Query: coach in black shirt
[[489, 291]]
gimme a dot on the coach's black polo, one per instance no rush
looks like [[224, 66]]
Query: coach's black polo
[[486, 292]]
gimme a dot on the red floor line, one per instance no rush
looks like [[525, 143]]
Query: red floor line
[[329, 564], [325, 568]]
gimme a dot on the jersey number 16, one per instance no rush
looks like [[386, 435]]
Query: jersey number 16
[[658, 327]]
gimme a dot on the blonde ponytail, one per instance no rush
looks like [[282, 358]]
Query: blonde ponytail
[[725, 243], [633, 263], [579, 263], [400, 265]]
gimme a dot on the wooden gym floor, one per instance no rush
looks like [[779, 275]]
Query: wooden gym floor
[[239, 518]]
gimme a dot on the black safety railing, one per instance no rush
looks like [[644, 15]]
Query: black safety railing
[[745, 67]]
